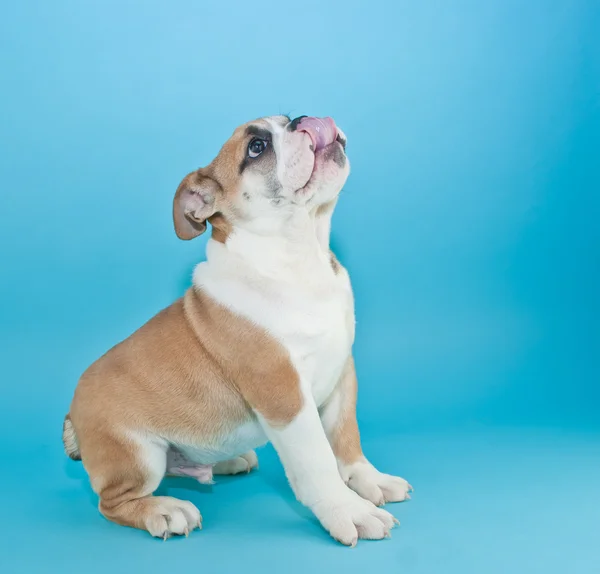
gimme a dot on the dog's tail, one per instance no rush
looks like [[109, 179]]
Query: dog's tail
[[70, 440]]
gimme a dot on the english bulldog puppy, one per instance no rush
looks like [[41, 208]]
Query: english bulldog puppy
[[258, 349]]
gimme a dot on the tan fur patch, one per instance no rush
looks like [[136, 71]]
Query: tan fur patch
[[221, 227], [198, 361], [224, 171], [257, 365], [345, 437]]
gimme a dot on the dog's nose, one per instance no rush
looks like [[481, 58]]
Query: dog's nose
[[294, 123]]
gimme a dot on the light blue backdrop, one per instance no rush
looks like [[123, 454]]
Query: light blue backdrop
[[469, 224]]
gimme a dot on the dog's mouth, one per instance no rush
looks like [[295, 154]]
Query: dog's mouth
[[322, 156]]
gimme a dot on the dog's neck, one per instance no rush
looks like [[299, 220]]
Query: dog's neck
[[290, 248]]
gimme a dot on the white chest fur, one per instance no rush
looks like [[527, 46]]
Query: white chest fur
[[297, 298]]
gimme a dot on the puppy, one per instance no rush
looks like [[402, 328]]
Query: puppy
[[259, 349]]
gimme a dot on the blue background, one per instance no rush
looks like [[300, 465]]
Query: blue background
[[470, 226]]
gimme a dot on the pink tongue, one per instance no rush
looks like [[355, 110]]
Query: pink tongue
[[322, 131]]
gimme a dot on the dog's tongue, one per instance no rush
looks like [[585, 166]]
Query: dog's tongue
[[322, 131]]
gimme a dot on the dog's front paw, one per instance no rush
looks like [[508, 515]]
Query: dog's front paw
[[375, 486], [349, 517]]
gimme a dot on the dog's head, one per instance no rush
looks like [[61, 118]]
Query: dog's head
[[267, 169]]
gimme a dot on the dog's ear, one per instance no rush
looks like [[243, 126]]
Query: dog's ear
[[195, 201]]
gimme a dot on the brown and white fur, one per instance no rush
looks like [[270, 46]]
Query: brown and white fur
[[259, 349]]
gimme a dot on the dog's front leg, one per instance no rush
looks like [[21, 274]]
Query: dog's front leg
[[339, 420], [311, 468]]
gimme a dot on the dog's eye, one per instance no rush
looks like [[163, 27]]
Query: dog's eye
[[256, 147]]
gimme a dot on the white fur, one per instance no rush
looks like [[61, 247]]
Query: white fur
[[173, 516], [295, 160], [70, 441], [243, 439], [287, 286]]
